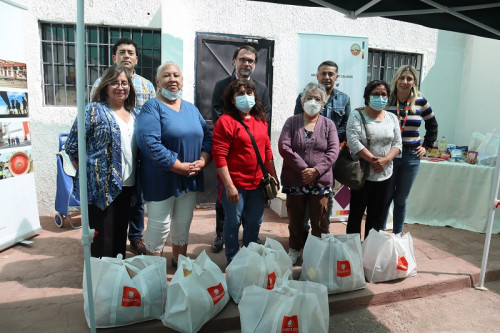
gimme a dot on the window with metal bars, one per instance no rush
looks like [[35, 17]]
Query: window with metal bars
[[382, 65], [58, 57]]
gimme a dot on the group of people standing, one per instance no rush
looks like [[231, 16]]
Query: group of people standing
[[151, 145]]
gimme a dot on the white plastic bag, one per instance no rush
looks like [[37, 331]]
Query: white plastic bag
[[292, 306], [487, 151], [335, 261], [257, 264], [197, 292], [388, 256], [126, 291]]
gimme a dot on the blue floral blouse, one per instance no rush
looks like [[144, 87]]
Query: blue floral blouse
[[104, 156]]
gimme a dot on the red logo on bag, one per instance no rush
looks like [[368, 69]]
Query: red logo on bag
[[216, 292], [402, 264], [131, 297], [343, 268], [271, 279], [290, 324]]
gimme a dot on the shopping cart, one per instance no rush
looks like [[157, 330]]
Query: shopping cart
[[67, 206]]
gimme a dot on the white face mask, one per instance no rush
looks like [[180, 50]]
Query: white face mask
[[172, 96], [312, 107]]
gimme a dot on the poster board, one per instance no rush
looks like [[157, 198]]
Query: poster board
[[350, 53], [19, 217]]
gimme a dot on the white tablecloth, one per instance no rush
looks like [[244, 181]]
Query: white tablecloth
[[452, 194]]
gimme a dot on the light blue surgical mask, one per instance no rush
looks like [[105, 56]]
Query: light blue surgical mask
[[245, 103], [378, 102], [172, 96]]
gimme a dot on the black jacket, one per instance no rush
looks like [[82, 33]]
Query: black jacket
[[221, 85]]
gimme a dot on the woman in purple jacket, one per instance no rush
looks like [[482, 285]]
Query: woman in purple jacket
[[309, 146]]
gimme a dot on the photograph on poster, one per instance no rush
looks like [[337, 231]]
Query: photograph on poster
[[13, 104], [13, 74], [15, 163], [14, 133]]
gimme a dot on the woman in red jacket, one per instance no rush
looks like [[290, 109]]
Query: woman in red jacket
[[238, 172]]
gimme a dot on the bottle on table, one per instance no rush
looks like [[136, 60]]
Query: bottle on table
[[442, 146]]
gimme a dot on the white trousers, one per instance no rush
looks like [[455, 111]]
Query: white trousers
[[173, 214]]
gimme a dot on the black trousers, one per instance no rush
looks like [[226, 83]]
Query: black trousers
[[111, 225], [370, 197]]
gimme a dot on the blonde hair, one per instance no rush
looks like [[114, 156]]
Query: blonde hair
[[414, 93]]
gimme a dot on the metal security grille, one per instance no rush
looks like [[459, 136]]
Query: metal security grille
[[58, 57], [382, 65]]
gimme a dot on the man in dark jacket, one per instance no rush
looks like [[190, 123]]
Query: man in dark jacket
[[244, 60]]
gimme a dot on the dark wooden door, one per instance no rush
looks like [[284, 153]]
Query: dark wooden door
[[214, 62]]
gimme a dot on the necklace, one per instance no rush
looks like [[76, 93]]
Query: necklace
[[402, 124]]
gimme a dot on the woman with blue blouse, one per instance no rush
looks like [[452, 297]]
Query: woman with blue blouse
[[111, 160], [309, 145], [384, 145], [175, 146], [411, 109]]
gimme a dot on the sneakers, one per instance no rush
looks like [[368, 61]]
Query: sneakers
[[294, 255], [217, 245], [137, 246]]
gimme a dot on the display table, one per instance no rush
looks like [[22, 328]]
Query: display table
[[452, 194]]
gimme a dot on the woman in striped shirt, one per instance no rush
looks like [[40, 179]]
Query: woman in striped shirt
[[411, 109]]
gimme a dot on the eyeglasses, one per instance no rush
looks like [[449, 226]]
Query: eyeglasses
[[116, 84], [243, 60]]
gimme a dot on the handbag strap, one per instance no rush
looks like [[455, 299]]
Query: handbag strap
[[366, 170], [363, 120], [257, 153]]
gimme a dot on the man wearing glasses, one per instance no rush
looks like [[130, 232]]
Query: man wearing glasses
[[125, 55], [244, 60]]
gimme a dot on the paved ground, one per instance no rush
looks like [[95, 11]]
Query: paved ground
[[465, 310], [41, 283]]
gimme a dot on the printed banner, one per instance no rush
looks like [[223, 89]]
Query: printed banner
[[349, 53], [19, 218]]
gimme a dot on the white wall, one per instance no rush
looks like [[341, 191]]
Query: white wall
[[281, 24], [478, 97], [184, 19], [48, 121], [443, 83]]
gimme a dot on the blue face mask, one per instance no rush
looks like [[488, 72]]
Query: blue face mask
[[172, 96], [245, 103], [378, 102]]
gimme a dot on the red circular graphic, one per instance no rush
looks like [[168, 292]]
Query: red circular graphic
[[19, 164]]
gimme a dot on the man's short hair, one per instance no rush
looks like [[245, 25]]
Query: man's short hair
[[126, 41], [248, 48], [329, 63]]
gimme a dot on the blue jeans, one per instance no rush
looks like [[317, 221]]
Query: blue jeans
[[251, 205], [404, 173], [136, 225]]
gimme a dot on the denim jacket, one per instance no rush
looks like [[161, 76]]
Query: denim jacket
[[337, 108]]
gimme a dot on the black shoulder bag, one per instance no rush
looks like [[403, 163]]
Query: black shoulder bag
[[268, 184], [349, 172]]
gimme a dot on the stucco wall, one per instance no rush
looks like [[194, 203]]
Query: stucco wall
[[478, 110], [184, 19], [281, 24], [48, 121]]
